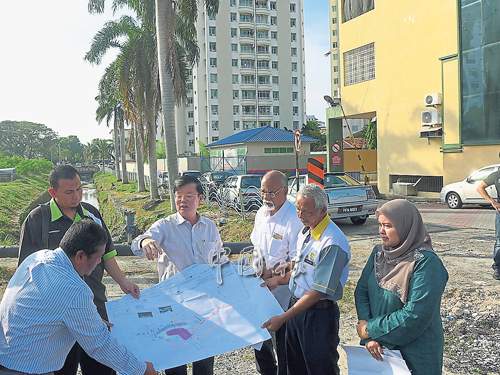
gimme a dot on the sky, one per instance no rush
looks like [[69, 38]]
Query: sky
[[44, 79]]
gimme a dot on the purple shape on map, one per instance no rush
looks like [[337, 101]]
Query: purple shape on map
[[182, 332]]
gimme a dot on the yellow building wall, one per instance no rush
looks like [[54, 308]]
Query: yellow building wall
[[409, 39], [368, 158], [458, 166]]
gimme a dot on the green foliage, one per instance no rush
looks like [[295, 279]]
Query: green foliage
[[160, 150], [369, 133], [203, 150], [312, 130], [74, 148], [26, 139]]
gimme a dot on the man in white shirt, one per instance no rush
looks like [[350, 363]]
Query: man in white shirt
[[274, 237], [179, 241]]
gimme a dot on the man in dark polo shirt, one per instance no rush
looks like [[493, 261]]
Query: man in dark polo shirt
[[44, 228], [493, 179]]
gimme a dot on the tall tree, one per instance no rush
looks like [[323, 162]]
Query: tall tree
[[26, 139]]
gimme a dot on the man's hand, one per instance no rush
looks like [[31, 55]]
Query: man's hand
[[271, 283], [274, 323], [129, 287], [151, 248], [361, 329], [150, 369], [375, 349], [496, 205], [108, 324]]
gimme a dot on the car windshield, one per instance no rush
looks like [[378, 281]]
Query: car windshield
[[194, 174], [220, 176], [250, 181], [339, 180]]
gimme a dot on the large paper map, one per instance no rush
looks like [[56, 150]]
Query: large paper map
[[190, 316]]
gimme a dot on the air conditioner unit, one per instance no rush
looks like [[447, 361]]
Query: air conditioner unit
[[431, 117], [432, 99]]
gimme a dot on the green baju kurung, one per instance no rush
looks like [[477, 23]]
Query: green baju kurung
[[415, 328]]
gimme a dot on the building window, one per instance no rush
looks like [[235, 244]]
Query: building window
[[335, 81], [246, 33], [247, 94], [236, 109], [262, 34], [274, 50], [359, 64], [276, 95], [262, 64], [278, 150], [234, 79], [190, 114], [232, 3], [293, 37], [355, 8], [190, 86], [234, 32], [245, 17], [245, 3], [335, 57], [215, 125], [261, 4], [234, 63], [264, 49], [276, 110], [272, 5], [191, 142], [249, 125], [248, 109], [233, 17], [275, 65], [295, 96], [215, 109], [236, 125], [334, 8], [294, 67], [295, 111], [215, 139], [294, 52], [276, 80], [234, 47], [212, 16], [274, 35], [335, 45], [334, 21], [263, 80], [190, 129], [295, 124], [334, 32], [262, 19], [213, 93], [213, 78], [190, 100], [211, 31], [213, 62], [246, 48], [263, 94], [335, 68], [264, 123], [292, 8], [274, 21], [264, 110], [294, 80], [248, 80], [247, 64], [293, 22], [235, 94], [276, 124]]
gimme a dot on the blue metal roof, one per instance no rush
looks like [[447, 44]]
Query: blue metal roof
[[263, 134]]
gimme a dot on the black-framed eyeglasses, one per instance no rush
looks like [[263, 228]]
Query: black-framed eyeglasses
[[271, 194]]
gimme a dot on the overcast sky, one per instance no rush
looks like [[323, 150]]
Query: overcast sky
[[43, 77]]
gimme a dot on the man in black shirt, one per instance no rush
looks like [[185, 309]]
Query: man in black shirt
[[44, 228], [493, 178]]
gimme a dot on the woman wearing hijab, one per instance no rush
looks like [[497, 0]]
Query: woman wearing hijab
[[398, 295]]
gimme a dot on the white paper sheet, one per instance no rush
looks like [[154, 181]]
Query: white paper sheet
[[360, 362], [190, 316]]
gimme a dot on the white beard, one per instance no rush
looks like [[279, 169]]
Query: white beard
[[268, 205]]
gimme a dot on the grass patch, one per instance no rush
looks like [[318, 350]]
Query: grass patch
[[5, 274], [346, 304]]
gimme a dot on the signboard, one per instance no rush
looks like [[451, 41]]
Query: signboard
[[337, 160], [336, 148], [297, 141]]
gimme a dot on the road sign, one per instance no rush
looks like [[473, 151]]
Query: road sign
[[297, 140], [337, 160], [336, 147]]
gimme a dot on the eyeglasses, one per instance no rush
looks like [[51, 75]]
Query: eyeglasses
[[270, 194], [186, 197]]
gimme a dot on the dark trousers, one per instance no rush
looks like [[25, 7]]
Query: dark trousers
[[496, 247], [202, 367], [312, 338], [264, 358], [88, 365]]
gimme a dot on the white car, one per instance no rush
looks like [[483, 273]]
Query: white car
[[458, 193]]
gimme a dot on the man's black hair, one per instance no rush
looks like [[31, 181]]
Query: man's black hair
[[186, 180], [84, 235], [61, 172]]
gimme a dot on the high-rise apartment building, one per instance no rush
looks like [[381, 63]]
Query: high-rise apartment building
[[251, 72], [334, 47]]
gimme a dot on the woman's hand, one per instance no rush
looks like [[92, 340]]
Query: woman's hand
[[375, 349], [361, 329]]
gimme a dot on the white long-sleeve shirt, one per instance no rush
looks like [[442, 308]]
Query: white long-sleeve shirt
[[183, 244], [46, 307]]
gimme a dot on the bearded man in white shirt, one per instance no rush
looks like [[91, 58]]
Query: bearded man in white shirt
[[179, 241], [274, 237]]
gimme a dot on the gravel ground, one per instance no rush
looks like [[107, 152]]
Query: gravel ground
[[470, 307]]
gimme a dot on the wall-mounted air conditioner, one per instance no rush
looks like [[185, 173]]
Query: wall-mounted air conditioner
[[432, 99], [431, 117]]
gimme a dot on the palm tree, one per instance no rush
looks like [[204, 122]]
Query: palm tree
[[137, 70], [103, 148]]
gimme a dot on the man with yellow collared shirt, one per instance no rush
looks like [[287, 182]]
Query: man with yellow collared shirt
[[316, 277]]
